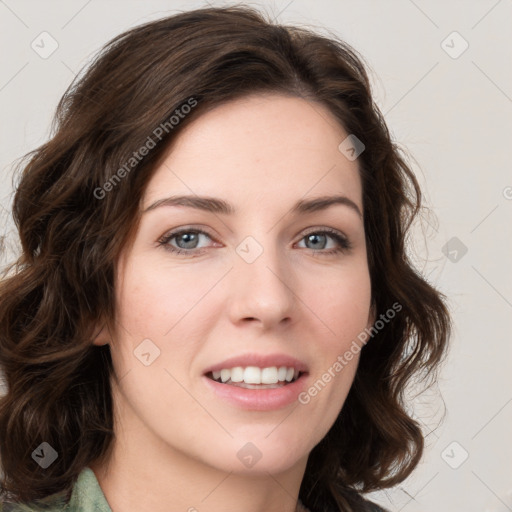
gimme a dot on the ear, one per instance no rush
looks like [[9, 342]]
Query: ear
[[102, 336]]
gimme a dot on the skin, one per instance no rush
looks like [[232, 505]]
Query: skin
[[176, 441]]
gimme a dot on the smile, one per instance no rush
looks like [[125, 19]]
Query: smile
[[253, 377], [257, 396]]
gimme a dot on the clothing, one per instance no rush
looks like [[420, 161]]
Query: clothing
[[87, 496]]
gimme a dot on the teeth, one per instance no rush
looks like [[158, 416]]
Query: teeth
[[237, 374], [252, 375], [255, 375], [269, 375]]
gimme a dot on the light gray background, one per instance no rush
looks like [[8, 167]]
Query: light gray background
[[453, 115]]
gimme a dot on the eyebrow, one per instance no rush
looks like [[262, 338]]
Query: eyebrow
[[216, 205]]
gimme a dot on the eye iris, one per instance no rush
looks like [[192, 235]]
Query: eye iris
[[314, 237], [189, 237]]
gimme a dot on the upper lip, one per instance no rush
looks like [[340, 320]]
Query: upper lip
[[259, 360]]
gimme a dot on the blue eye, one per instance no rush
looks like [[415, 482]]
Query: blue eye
[[342, 242], [189, 238]]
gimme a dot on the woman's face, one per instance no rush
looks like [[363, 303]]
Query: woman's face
[[265, 281]]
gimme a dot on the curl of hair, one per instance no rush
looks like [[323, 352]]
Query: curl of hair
[[62, 285]]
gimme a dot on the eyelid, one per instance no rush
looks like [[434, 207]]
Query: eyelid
[[186, 228], [317, 229]]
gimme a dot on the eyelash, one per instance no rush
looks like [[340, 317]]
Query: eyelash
[[343, 243]]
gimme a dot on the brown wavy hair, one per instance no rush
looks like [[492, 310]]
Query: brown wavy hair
[[58, 382]]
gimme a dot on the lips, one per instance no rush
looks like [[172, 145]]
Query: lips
[[262, 399], [257, 397]]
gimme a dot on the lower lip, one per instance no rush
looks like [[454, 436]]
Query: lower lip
[[258, 399]]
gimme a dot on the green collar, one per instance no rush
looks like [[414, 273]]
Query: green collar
[[87, 495]]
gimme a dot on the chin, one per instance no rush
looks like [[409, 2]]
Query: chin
[[259, 457]]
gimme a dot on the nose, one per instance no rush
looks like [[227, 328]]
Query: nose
[[262, 291]]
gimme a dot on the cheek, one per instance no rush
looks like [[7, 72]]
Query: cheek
[[153, 298], [343, 305], [172, 307]]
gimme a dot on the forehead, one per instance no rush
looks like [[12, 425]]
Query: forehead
[[263, 147]]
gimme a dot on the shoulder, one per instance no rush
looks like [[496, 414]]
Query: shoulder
[[51, 504], [86, 496]]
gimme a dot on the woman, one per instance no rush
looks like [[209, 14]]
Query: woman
[[214, 309]]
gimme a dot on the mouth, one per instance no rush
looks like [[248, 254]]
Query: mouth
[[256, 389], [253, 377], [257, 382]]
